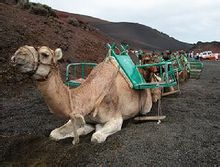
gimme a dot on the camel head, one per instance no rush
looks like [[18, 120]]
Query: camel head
[[36, 62], [149, 74], [149, 59]]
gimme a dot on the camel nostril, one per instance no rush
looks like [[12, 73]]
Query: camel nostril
[[13, 59], [19, 64], [17, 61], [12, 62]]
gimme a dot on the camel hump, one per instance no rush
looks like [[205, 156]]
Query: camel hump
[[102, 73]]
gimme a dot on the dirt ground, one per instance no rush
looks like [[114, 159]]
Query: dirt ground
[[189, 136]]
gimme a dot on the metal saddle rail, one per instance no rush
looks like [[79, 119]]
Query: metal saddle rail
[[196, 65], [131, 72], [168, 76], [83, 66], [176, 60], [184, 61], [196, 68]]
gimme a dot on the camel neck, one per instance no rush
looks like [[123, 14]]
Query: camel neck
[[55, 93], [53, 79]]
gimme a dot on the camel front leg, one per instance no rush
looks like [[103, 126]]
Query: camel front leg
[[109, 128], [147, 104], [66, 131]]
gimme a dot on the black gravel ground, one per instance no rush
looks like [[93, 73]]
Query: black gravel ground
[[189, 136]]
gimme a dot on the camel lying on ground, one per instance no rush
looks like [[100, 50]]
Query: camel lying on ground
[[149, 74], [101, 103]]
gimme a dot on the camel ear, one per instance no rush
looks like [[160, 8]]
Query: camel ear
[[58, 54]]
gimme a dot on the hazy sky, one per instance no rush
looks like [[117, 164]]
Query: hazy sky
[[185, 20]]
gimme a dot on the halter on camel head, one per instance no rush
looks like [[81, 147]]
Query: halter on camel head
[[36, 62]]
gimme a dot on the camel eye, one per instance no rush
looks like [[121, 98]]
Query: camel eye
[[146, 61], [44, 55]]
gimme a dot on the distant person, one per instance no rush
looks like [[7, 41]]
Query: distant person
[[167, 55], [192, 54], [139, 55], [197, 56]]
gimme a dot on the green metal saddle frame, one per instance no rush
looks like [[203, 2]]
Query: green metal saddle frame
[[133, 75], [130, 70], [196, 68], [74, 66]]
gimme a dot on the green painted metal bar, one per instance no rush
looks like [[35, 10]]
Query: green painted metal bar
[[195, 69], [132, 73], [128, 67], [166, 72], [74, 66], [167, 65], [67, 72], [74, 73], [123, 49], [83, 71], [154, 85], [153, 64], [176, 60], [161, 72], [180, 67]]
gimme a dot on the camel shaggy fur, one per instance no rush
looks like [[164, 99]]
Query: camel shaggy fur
[[149, 74], [101, 103]]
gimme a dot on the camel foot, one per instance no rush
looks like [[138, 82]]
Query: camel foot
[[75, 141], [56, 135], [98, 138]]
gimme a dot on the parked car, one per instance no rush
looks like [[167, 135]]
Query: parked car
[[208, 55]]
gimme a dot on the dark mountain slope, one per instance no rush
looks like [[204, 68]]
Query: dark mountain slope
[[137, 35], [141, 36], [206, 46]]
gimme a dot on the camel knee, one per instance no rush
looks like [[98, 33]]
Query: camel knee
[[114, 125], [147, 108], [85, 130], [118, 124], [98, 127], [67, 131], [147, 103], [62, 132], [108, 129]]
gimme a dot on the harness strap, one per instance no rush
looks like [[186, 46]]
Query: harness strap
[[38, 63]]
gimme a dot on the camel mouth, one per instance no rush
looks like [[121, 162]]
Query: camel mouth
[[21, 65], [13, 62]]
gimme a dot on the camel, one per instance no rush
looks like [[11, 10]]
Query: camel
[[101, 103], [149, 74], [185, 74]]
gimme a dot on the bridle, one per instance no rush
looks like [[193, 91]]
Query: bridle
[[37, 63], [149, 71]]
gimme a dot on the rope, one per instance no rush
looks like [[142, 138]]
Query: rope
[[159, 110], [73, 119]]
